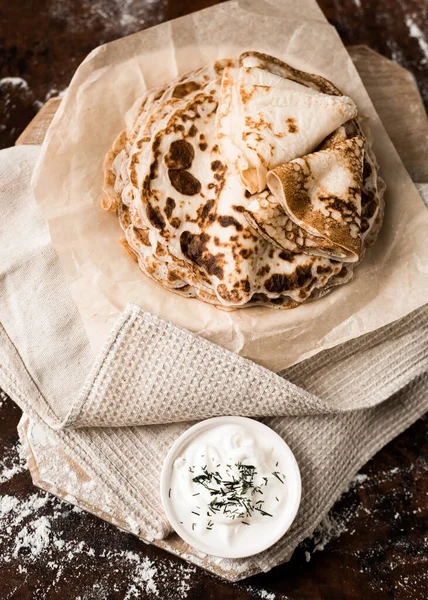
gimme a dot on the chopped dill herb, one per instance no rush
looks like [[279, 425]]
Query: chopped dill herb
[[234, 495], [276, 474]]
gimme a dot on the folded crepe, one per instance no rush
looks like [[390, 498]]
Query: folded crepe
[[267, 216], [184, 212], [321, 193], [265, 119]]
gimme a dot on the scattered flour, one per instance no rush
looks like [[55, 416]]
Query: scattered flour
[[12, 88], [35, 537], [55, 93], [9, 87], [261, 593], [13, 462], [144, 577], [359, 479], [15, 82], [417, 33]]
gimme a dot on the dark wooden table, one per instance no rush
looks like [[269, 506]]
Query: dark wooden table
[[374, 544]]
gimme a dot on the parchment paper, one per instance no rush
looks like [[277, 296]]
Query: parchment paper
[[391, 282]]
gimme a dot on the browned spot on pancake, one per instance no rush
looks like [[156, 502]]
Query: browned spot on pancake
[[247, 194], [220, 65], [169, 207], [279, 283], [156, 152], [232, 296], [153, 170], [155, 217], [160, 250], [227, 221], [215, 148], [210, 186], [288, 256], [143, 236], [180, 155], [263, 271], [184, 182], [216, 165], [292, 125], [339, 204], [203, 146], [173, 276], [247, 235], [246, 96], [238, 208], [194, 247], [245, 285], [256, 125], [192, 131], [183, 89], [256, 136], [203, 212], [246, 252], [175, 222]]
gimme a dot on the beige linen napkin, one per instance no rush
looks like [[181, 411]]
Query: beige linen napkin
[[119, 414]]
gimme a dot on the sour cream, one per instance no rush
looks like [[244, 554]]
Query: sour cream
[[230, 486]]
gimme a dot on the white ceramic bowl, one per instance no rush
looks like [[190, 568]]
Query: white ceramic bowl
[[288, 466]]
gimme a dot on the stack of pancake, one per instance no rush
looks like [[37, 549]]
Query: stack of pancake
[[245, 183]]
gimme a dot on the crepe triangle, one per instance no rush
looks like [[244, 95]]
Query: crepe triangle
[[264, 120]]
